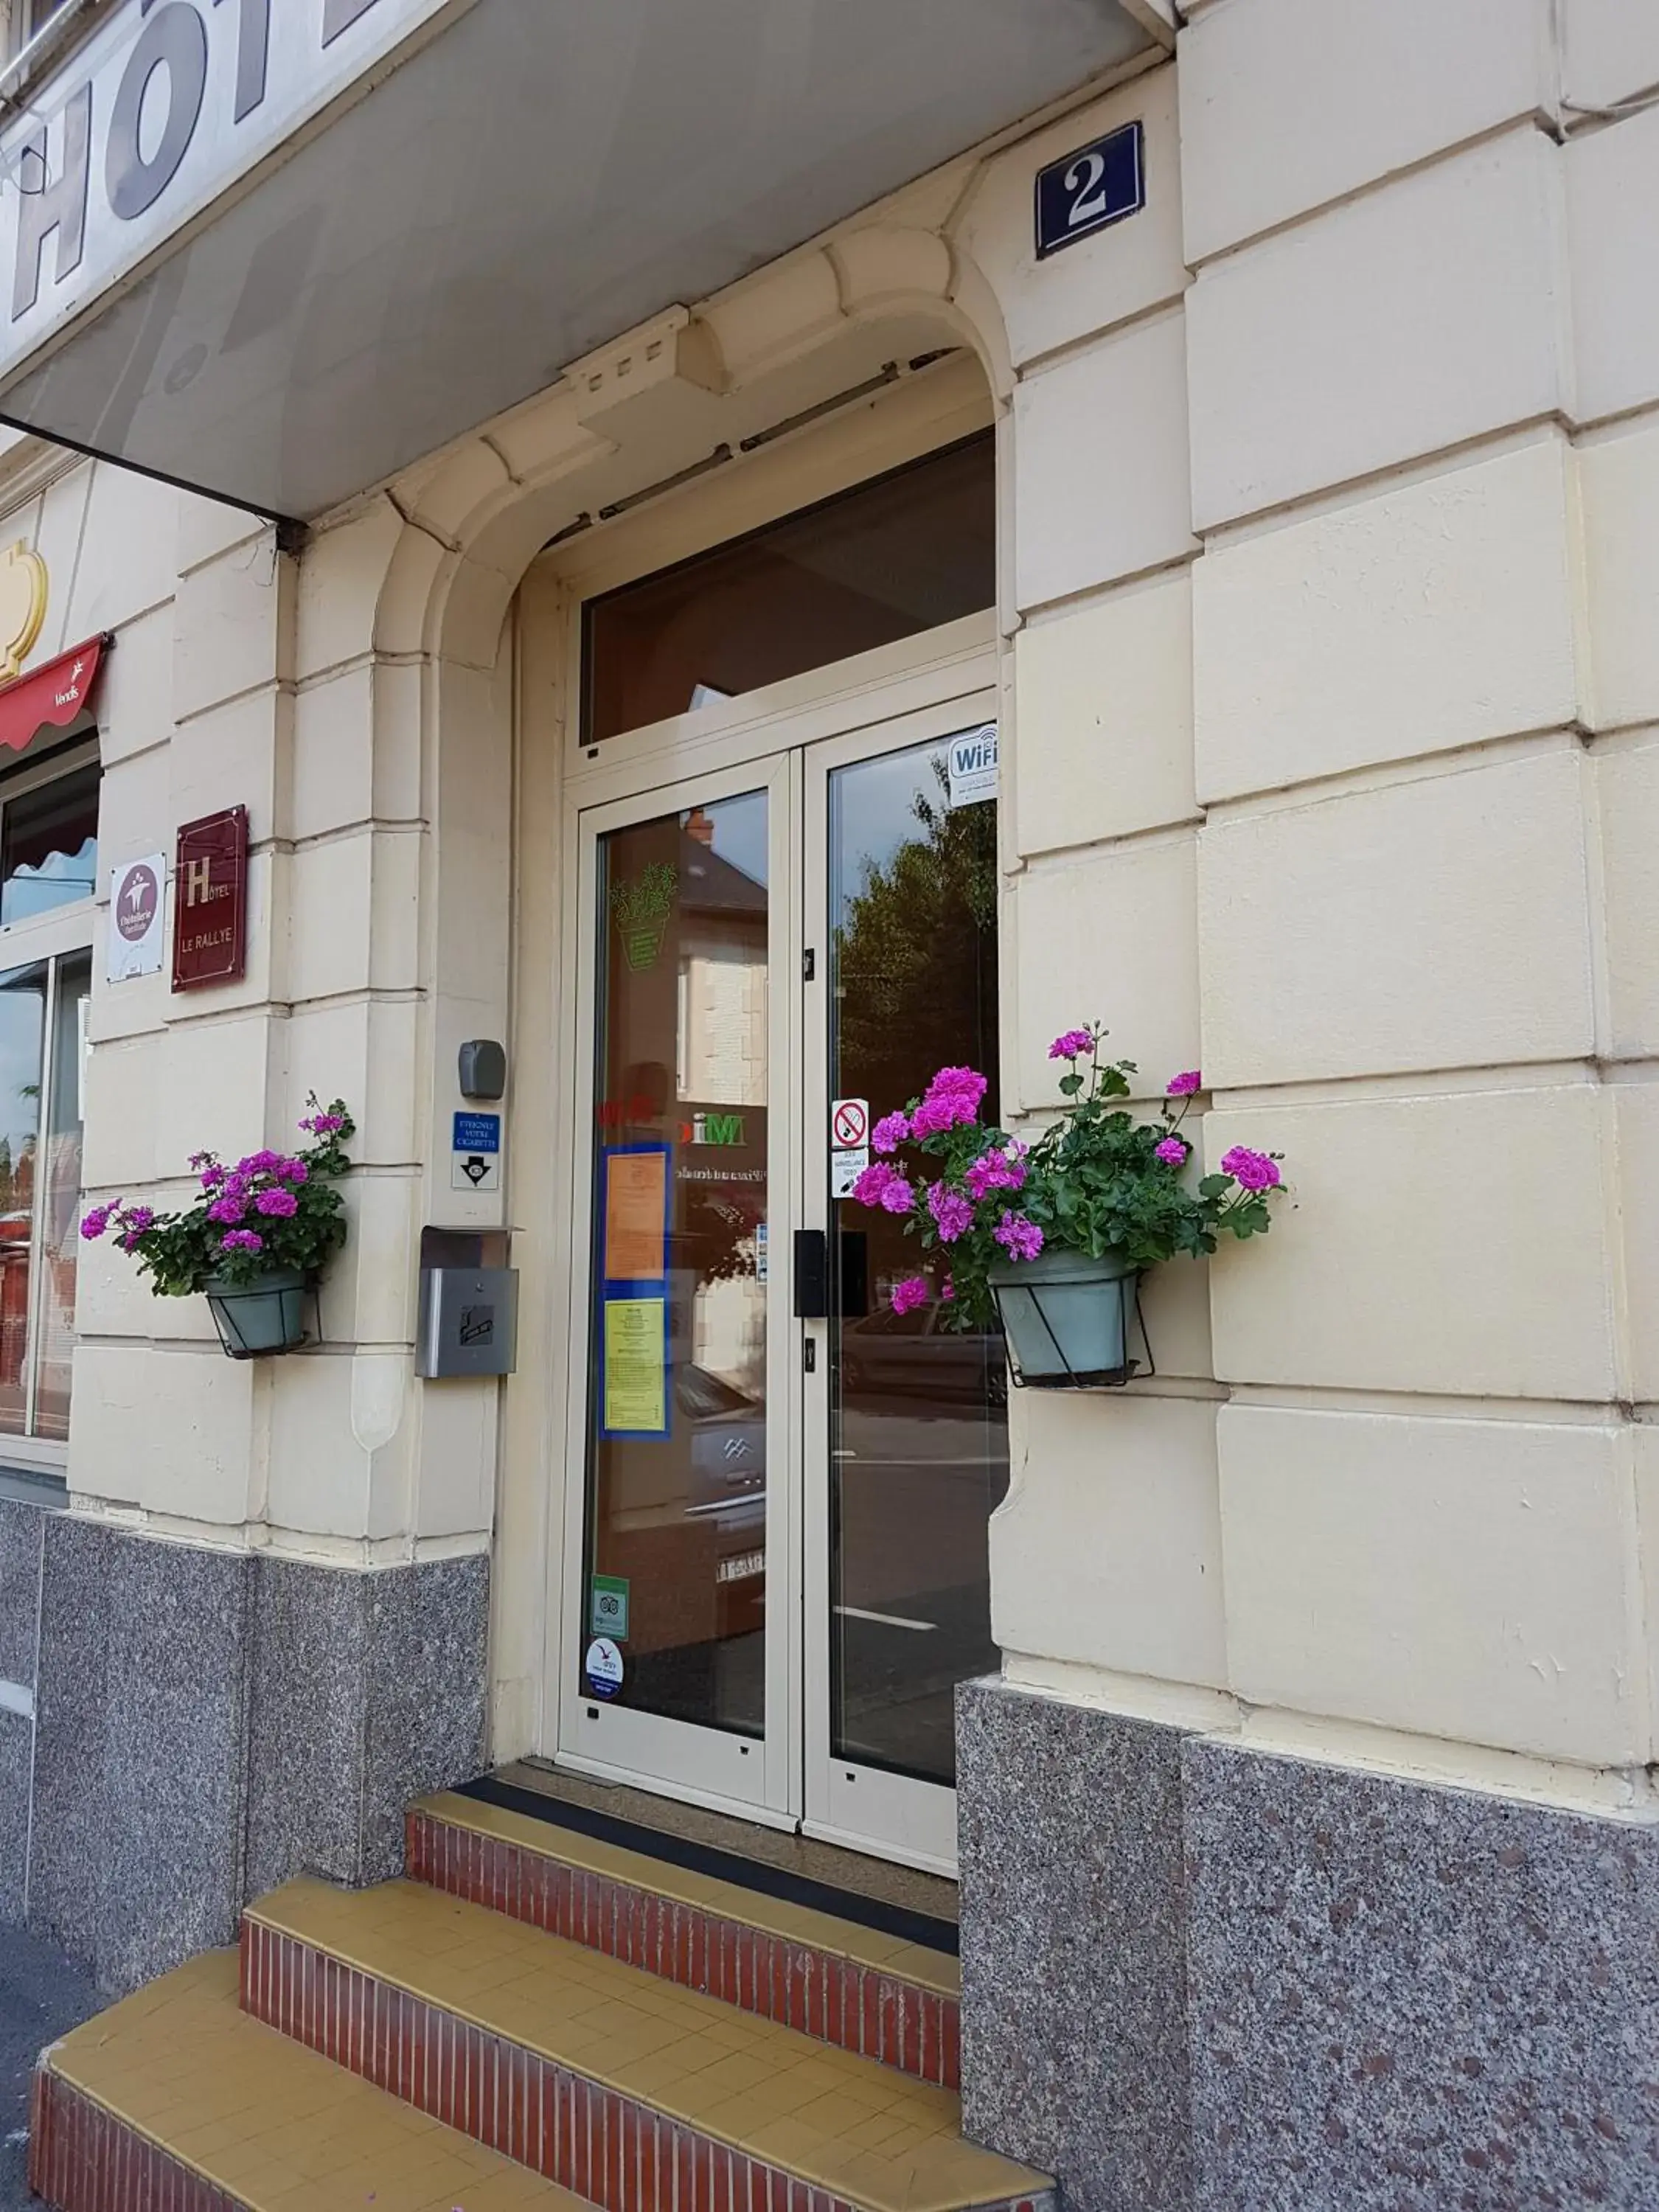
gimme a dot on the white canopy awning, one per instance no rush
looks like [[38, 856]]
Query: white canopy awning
[[280, 249]]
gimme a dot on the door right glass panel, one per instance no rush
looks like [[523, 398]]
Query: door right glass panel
[[919, 1418]]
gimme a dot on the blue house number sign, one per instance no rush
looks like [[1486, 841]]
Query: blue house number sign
[[1085, 191]]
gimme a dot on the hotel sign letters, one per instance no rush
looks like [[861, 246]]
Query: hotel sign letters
[[209, 902], [165, 105]]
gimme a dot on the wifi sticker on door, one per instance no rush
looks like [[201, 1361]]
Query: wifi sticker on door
[[973, 766]]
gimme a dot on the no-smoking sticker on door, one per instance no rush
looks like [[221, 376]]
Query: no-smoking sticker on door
[[849, 1124]]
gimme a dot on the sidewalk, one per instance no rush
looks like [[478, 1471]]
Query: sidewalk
[[41, 1997]]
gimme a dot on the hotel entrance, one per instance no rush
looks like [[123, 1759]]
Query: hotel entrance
[[777, 1519]]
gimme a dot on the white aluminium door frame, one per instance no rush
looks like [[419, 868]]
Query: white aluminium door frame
[[708, 1765], [788, 744], [864, 1807]]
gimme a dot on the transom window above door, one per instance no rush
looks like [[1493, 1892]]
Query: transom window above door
[[901, 554]]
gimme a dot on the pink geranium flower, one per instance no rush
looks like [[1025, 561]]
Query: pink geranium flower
[[909, 1294], [884, 1185], [953, 1098], [1018, 1236], [953, 1216], [889, 1134], [1251, 1170], [1072, 1044], [1183, 1086], [995, 1170]]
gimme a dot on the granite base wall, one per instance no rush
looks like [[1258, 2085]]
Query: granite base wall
[[1405, 1997], [1073, 1974], [1201, 1978], [21, 1537], [209, 1723], [369, 1691]]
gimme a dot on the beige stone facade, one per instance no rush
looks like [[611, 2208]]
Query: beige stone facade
[[1330, 724]]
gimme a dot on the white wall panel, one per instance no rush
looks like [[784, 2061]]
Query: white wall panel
[[1455, 1245], [1108, 1550], [1111, 937], [1461, 1578], [1103, 710], [1101, 485], [1429, 311], [1440, 923], [1286, 105], [1428, 615], [1613, 180]]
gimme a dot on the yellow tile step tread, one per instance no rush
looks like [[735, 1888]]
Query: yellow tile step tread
[[865, 2132], [269, 2121], [938, 1971]]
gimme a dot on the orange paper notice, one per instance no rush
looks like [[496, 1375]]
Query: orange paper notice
[[635, 1205]]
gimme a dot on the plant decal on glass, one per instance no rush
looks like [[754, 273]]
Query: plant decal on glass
[[641, 910]]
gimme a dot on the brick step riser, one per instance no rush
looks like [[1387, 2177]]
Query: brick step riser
[[859, 2008], [81, 2159], [620, 2155]]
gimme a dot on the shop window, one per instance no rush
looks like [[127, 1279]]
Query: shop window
[[48, 878], [901, 554], [43, 1013], [48, 846], [39, 13]]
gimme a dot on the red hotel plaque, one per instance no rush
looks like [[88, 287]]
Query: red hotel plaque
[[210, 905]]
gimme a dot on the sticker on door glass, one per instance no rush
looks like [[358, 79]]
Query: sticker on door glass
[[636, 1213], [635, 1342], [607, 1606], [604, 1668], [845, 1168], [973, 766], [849, 1124]]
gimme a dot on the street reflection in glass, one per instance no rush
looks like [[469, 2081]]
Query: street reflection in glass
[[677, 1496], [60, 1199], [22, 1031], [919, 1431]]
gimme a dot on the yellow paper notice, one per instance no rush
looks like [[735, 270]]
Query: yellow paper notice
[[636, 1366]]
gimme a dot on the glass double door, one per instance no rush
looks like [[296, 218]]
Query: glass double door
[[785, 1484]]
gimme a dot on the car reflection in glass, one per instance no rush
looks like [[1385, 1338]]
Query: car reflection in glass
[[914, 1356], [727, 1429]]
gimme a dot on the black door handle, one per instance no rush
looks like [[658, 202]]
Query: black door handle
[[812, 1274]]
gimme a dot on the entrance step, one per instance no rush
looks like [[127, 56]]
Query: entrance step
[[669, 1824], [753, 1936], [175, 2102], [638, 2095]]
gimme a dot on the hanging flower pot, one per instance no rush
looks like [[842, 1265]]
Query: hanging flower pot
[[1066, 1319], [1048, 1239], [254, 1242], [255, 1319]]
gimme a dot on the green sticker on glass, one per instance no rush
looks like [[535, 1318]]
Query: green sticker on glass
[[607, 1607]]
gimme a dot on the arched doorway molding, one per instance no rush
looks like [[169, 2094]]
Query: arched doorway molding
[[416, 591]]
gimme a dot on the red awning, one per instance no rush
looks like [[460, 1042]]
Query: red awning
[[54, 693]]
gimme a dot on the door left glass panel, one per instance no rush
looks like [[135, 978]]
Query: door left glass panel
[[676, 1446]]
